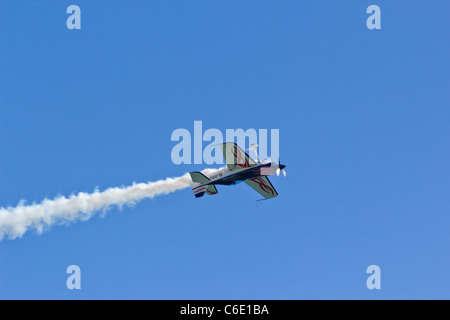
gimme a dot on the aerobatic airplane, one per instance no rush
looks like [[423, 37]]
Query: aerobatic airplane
[[240, 167]]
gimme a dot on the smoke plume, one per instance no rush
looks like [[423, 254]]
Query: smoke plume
[[16, 221]]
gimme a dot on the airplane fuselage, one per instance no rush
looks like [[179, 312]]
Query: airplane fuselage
[[230, 177]]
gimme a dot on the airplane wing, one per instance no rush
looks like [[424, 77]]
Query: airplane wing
[[235, 157], [263, 186]]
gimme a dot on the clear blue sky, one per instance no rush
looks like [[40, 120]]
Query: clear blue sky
[[364, 124]]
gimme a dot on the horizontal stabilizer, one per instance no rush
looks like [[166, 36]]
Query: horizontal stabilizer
[[211, 190], [201, 185]]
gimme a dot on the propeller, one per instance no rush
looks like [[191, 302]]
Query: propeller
[[281, 168]]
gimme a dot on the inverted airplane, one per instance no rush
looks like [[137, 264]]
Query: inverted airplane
[[240, 167]]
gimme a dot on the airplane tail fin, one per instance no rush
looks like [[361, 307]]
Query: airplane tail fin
[[202, 185]]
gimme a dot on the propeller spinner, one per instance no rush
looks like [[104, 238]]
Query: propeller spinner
[[281, 168]]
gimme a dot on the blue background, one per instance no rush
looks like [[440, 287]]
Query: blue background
[[364, 131]]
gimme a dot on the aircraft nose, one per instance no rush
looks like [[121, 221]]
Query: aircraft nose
[[282, 166]]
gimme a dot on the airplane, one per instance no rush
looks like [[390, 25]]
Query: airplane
[[240, 167]]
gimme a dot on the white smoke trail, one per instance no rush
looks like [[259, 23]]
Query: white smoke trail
[[15, 221]]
